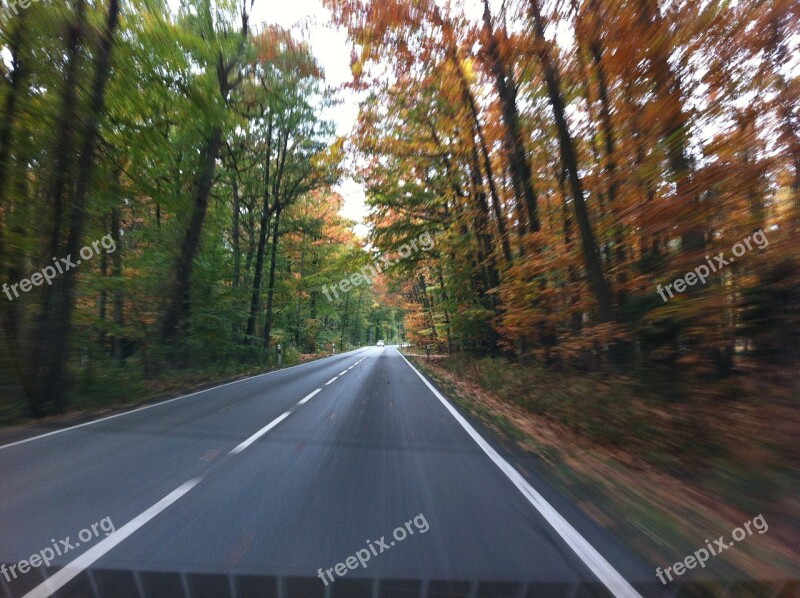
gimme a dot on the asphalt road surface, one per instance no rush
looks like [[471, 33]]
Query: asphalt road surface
[[264, 486]]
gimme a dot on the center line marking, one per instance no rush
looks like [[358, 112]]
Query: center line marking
[[76, 567], [342, 373], [331, 381], [308, 397], [260, 433]]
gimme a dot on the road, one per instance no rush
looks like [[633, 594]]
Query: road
[[262, 486]]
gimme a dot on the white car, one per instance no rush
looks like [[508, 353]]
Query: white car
[[380, 343]]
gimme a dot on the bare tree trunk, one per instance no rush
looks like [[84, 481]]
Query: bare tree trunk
[[10, 110], [519, 166], [12, 312], [674, 131], [271, 288], [594, 268], [357, 332], [116, 271], [177, 311], [236, 233], [66, 137], [179, 306], [250, 227], [427, 303], [102, 302], [266, 215], [469, 99], [49, 375], [607, 127], [344, 319], [440, 275]]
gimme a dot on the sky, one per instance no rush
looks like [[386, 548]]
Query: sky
[[329, 45]]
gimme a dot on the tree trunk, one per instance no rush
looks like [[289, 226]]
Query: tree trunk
[[10, 109], [236, 233], [49, 375], [179, 306], [344, 319], [102, 302], [674, 131], [116, 272], [12, 312], [271, 288], [266, 216], [521, 177], [469, 99], [445, 310], [66, 135], [594, 268]]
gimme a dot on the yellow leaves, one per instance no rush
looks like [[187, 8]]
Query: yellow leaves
[[356, 65], [468, 68], [679, 125]]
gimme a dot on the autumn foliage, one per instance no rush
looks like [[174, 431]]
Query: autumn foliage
[[570, 157]]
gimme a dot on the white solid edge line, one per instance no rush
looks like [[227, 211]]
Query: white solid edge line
[[308, 397], [331, 381], [108, 417], [604, 571], [260, 433], [76, 567]]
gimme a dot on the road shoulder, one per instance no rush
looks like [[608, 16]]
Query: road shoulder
[[646, 512]]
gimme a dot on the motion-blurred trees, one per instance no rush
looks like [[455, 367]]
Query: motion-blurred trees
[[195, 142], [567, 156], [571, 156]]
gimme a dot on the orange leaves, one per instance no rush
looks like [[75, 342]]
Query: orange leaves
[[277, 47], [682, 120]]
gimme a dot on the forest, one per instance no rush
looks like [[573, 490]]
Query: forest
[[192, 149], [614, 191], [580, 221], [607, 186], [572, 158]]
